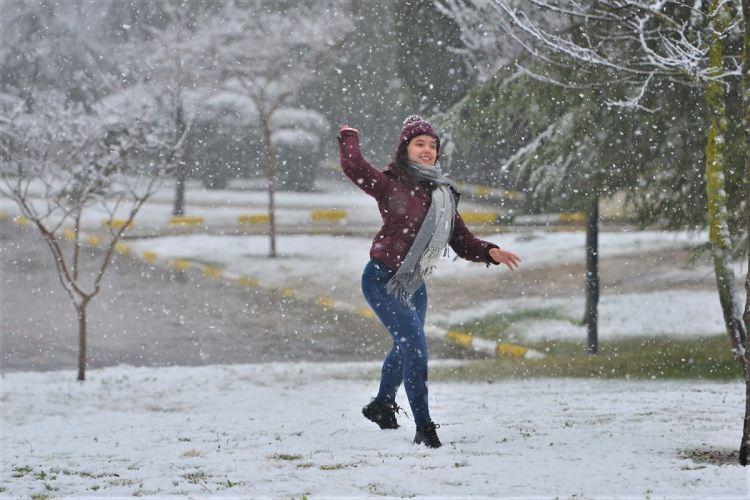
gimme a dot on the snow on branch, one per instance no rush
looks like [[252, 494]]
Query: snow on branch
[[528, 149], [484, 44], [61, 159], [635, 101], [604, 42]]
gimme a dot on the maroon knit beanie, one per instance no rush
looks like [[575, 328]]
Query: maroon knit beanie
[[415, 125]]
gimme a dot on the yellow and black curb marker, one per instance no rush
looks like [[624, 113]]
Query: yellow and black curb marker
[[21, 221], [489, 347], [179, 264], [117, 224], [478, 217], [186, 220], [328, 215], [253, 219]]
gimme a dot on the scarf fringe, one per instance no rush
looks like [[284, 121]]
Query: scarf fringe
[[397, 286], [404, 285], [429, 260]]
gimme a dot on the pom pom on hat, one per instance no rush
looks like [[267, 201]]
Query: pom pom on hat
[[412, 119], [415, 125]]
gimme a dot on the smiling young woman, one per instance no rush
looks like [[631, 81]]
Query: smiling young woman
[[422, 149], [418, 204]]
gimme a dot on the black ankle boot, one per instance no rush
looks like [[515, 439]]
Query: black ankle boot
[[383, 414], [427, 434]]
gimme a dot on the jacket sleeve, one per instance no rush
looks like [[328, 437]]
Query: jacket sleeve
[[371, 180], [468, 246]]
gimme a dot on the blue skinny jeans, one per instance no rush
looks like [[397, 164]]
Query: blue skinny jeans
[[407, 360]]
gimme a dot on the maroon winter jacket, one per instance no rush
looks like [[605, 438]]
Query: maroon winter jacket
[[403, 206]]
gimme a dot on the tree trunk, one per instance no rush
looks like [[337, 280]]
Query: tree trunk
[[717, 197], [271, 172], [181, 170], [81, 314], [591, 316], [745, 443], [179, 196]]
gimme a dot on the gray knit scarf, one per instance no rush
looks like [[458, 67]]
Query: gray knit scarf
[[432, 238]]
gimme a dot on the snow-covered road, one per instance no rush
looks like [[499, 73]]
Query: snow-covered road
[[286, 430]]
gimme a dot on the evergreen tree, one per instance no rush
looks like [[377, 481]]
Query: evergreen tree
[[428, 56]]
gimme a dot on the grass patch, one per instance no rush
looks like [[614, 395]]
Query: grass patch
[[498, 326], [285, 456], [196, 477], [41, 475], [100, 475], [162, 409], [706, 358], [121, 482], [332, 467], [228, 484], [712, 457], [22, 471]]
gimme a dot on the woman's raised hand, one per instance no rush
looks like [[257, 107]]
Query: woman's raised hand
[[347, 127], [503, 257]]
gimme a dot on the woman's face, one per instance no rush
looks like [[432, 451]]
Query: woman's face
[[422, 149]]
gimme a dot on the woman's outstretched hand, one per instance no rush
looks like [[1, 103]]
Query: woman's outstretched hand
[[347, 127], [502, 257]]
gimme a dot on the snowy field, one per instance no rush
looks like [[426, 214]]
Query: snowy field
[[323, 260], [293, 209], [674, 313], [286, 430], [222, 207], [323, 263], [251, 192]]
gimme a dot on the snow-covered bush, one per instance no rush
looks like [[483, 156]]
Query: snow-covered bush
[[298, 137], [225, 142]]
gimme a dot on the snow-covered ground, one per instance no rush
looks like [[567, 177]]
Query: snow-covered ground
[[222, 207], [155, 215], [286, 430], [674, 313], [251, 192], [325, 259], [322, 263]]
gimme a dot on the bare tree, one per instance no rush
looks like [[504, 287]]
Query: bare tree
[[60, 162], [177, 67], [266, 57]]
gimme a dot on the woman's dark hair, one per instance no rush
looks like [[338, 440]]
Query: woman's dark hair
[[401, 157], [401, 165]]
